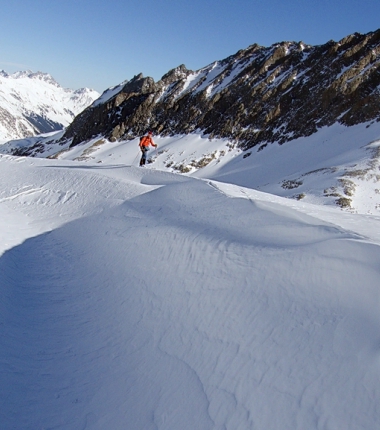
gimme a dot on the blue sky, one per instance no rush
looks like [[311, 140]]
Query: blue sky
[[99, 44]]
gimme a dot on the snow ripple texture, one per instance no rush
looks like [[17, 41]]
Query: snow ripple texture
[[146, 300]]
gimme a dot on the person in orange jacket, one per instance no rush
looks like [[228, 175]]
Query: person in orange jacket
[[145, 142]]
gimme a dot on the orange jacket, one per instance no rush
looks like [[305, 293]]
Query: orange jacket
[[146, 141]]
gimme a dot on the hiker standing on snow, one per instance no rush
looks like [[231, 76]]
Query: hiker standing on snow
[[145, 142]]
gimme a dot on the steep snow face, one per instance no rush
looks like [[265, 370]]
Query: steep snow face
[[141, 299], [34, 103]]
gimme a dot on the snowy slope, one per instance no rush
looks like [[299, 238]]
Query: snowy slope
[[142, 299], [34, 103], [338, 165]]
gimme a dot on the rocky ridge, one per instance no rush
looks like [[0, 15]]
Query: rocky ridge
[[257, 96]]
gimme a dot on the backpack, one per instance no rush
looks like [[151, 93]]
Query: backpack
[[142, 139]]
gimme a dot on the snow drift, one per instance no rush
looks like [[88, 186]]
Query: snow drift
[[143, 299]]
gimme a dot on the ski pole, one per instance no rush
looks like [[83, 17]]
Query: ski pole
[[136, 158]]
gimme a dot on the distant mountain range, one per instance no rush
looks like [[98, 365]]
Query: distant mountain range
[[34, 103]]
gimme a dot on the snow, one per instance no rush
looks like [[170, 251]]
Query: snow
[[193, 79], [236, 70], [200, 79], [108, 94], [141, 298], [319, 168], [205, 79], [25, 94], [210, 74]]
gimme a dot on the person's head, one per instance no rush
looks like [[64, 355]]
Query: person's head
[[150, 133]]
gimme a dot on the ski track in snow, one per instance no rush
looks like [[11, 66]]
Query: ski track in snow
[[141, 299]]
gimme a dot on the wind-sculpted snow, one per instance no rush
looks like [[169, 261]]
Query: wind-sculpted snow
[[149, 300]]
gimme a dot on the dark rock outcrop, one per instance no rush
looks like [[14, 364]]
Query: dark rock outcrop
[[257, 96]]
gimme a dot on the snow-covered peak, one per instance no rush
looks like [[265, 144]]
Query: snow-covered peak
[[33, 102], [37, 76]]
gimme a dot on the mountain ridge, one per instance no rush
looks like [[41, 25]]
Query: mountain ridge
[[32, 103], [257, 96], [311, 131]]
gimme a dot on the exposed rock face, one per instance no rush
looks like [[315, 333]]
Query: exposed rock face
[[256, 96]]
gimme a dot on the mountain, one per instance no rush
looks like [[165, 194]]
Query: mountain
[[337, 165], [34, 103], [293, 120], [255, 97], [190, 294]]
